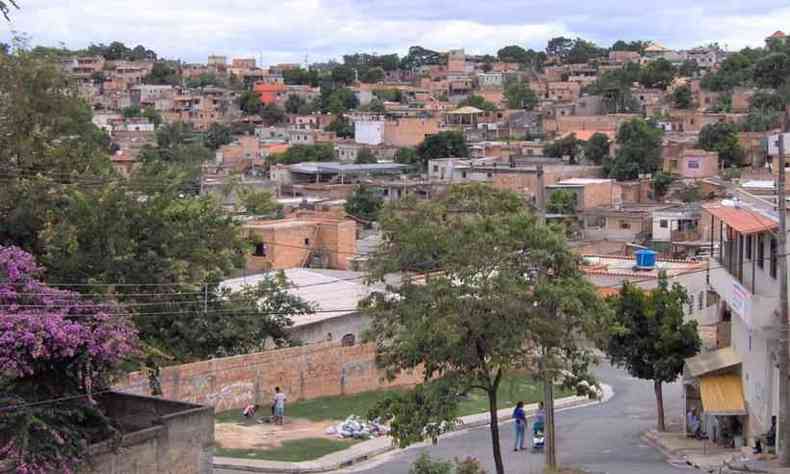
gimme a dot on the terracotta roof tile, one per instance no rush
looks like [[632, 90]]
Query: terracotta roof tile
[[744, 221]]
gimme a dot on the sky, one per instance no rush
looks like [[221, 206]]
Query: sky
[[289, 30]]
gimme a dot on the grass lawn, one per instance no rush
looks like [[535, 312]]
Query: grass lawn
[[291, 451], [512, 389]]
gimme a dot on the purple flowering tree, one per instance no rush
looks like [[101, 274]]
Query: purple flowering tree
[[54, 345]]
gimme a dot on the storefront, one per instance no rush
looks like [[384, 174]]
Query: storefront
[[713, 398]]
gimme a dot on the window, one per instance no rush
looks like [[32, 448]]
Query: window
[[691, 304], [307, 242], [348, 340], [701, 300], [774, 259], [463, 174], [260, 250], [435, 168], [625, 225], [664, 223], [490, 175], [749, 243], [760, 251]]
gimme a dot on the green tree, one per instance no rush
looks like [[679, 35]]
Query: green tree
[[650, 339], [205, 80], [559, 47], [658, 74], [364, 203], [217, 135], [442, 145], [476, 317], [153, 116], [272, 114], [48, 143], [772, 70], [375, 106], [305, 153], [734, 71], [163, 74], [661, 183], [596, 149], [343, 75], [639, 150], [365, 156], [723, 139], [478, 102], [372, 75], [760, 121], [682, 97], [615, 87], [513, 54], [519, 96], [342, 126], [131, 112], [295, 104], [407, 156], [259, 203], [250, 102], [562, 201], [566, 146], [767, 101]]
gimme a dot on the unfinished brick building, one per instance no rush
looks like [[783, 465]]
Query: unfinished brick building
[[305, 238]]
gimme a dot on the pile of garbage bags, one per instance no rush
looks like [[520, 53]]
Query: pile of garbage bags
[[357, 428]]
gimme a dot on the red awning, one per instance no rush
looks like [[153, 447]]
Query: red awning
[[744, 221]]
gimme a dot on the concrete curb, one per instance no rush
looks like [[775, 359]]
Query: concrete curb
[[369, 449]]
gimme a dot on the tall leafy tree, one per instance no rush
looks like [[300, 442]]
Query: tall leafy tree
[[217, 135], [566, 146], [443, 145], [477, 315], [163, 73], [639, 150], [48, 143], [519, 96], [682, 97], [658, 74], [407, 156], [364, 203], [723, 139], [651, 339], [596, 149], [562, 201], [772, 70]]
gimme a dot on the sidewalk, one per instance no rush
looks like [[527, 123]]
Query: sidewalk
[[374, 447], [679, 448]]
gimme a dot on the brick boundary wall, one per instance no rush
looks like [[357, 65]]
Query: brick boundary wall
[[303, 373]]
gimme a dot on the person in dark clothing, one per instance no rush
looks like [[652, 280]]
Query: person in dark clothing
[[520, 420]]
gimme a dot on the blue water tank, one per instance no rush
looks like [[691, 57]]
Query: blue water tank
[[645, 259]]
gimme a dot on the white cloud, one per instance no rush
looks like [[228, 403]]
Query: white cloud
[[287, 30]]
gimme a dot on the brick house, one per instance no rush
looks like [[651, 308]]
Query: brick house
[[303, 238], [692, 163]]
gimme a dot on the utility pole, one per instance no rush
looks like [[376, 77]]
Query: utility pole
[[784, 324], [540, 195]]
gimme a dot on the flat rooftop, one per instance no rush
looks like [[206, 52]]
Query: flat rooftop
[[334, 293]]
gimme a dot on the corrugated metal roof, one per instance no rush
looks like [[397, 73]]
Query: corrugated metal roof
[[333, 167], [722, 394], [744, 221], [712, 361]]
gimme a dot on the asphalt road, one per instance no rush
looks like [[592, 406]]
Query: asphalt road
[[603, 438]]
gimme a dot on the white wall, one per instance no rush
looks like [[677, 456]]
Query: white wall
[[369, 132]]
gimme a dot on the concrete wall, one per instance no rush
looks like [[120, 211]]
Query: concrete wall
[[332, 329], [369, 132], [312, 371], [167, 437]]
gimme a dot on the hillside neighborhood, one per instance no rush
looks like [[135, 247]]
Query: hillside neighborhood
[[237, 266]]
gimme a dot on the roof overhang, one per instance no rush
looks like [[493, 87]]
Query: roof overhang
[[713, 361]]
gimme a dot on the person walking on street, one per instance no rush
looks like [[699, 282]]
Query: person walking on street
[[279, 406], [520, 425]]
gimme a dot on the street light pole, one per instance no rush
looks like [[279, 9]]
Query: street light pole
[[784, 324]]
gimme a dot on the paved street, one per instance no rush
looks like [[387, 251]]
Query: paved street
[[599, 439]]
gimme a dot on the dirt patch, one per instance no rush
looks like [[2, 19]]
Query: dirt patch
[[247, 435]]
